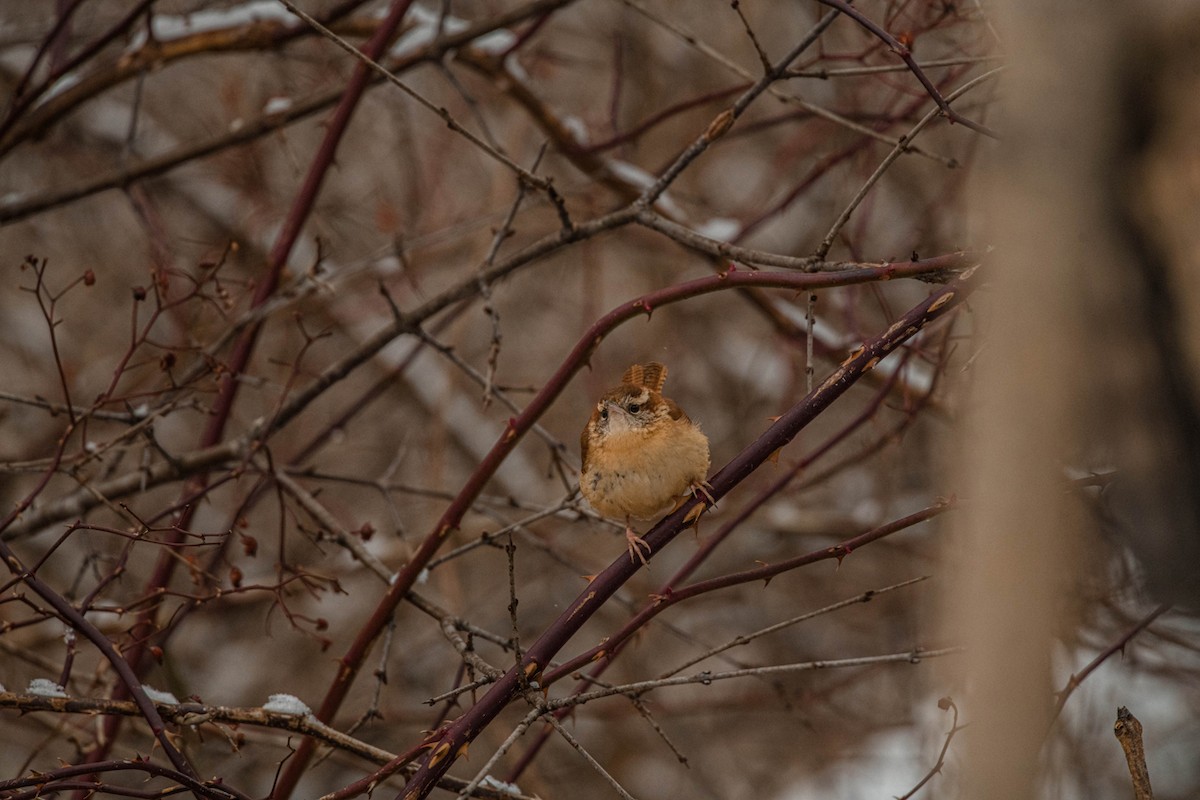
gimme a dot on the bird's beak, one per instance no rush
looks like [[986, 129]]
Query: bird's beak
[[614, 407]]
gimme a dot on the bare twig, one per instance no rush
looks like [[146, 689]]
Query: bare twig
[[915, 656], [746, 638], [1128, 731], [896, 152], [946, 704], [450, 743], [1117, 646], [906, 55]]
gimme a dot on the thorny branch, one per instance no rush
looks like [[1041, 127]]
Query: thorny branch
[[447, 746]]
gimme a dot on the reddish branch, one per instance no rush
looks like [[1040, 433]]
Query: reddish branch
[[43, 784], [446, 745], [144, 628], [351, 662], [699, 557], [129, 681]]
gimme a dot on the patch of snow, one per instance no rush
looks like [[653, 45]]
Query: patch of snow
[[166, 27], [886, 763], [667, 205], [631, 174], [165, 698], [426, 29], [498, 41], [826, 335], [59, 86], [720, 229], [867, 511], [577, 128], [388, 265], [514, 69], [500, 786], [286, 704], [277, 105], [917, 376], [643, 180], [44, 687]]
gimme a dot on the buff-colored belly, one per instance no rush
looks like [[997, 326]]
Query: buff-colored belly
[[639, 476]]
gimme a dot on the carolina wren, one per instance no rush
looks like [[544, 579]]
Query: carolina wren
[[640, 452]]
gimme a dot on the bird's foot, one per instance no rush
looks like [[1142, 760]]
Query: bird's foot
[[699, 489], [636, 544], [704, 488]]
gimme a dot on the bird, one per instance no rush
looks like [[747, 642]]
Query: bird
[[641, 452]]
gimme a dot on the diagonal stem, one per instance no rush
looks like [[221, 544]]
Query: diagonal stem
[[445, 746]]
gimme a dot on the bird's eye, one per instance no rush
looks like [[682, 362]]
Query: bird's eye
[[634, 408], [604, 413]]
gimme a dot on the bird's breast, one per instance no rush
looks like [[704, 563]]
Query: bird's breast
[[639, 473]]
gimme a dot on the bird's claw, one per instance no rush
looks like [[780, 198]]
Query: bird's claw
[[636, 543], [704, 488]]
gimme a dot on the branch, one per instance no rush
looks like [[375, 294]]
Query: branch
[[575, 361], [706, 678], [1129, 733], [705, 550], [43, 781], [447, 746], [906, 55], [1118, 646], [764, 573], [251, 130], [891, 157]]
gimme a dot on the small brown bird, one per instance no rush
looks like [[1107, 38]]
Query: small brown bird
[[641, 452]]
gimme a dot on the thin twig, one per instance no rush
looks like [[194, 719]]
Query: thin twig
[[746, 638], [896, 152], [1128, 731], [854, 72], [1077, 678], [713, 53], [462, 731], [451, 123], [945, 703], [706, 678], [906, 55], [589, 758]]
